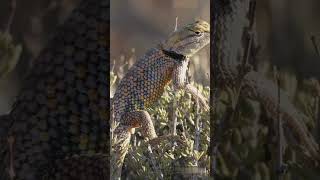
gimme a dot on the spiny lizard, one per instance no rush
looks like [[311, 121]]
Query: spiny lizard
[[144, 83]]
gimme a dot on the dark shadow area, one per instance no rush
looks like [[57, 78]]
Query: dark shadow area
[[265, 90]]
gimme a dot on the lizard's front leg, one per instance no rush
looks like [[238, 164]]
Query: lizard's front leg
[[141, 119], [179, 76]]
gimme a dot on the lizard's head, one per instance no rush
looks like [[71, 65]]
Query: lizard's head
[[189, 39]]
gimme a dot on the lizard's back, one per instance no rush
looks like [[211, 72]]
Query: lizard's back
[[144, 83]]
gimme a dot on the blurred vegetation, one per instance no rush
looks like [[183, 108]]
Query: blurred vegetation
[[246, 135], [25, 28], [9, 54]]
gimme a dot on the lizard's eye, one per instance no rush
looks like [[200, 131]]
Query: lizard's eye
[[198, 32]]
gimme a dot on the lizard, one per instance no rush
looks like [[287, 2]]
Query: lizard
[[231, 20], [145, 81], [58, 126]]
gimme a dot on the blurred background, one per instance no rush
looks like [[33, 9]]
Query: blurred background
[[285, 28], [247, 134], [138, 25], [33, 22]]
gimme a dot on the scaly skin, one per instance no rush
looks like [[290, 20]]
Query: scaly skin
[[59, 123], [145, 82]]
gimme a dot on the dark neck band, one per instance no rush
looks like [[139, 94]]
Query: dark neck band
[[174, 55]]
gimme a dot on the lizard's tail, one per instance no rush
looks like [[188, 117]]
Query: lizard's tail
[[120, 145]]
